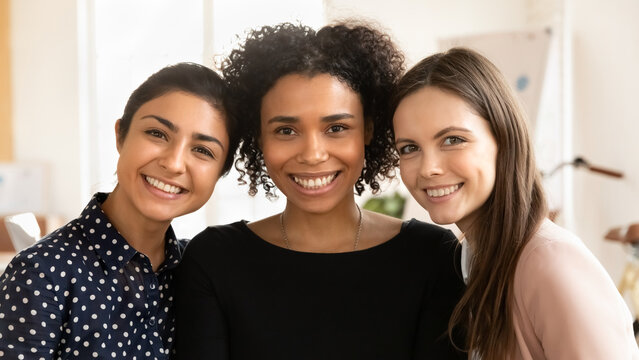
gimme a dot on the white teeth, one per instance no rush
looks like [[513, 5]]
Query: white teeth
[[162, 186], [442, 191], [315, 183]]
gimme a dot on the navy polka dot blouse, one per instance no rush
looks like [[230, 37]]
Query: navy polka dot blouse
[[82, 293]]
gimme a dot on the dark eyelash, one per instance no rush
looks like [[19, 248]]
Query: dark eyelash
[[156, 133], [404, 149], [205, 151], [281, 130], [341, 127], [454, 140]]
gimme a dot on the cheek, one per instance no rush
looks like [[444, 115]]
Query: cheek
[[128, 159], [205, 180], [353, 149], [274, 157], [408, 171], [487, 174]]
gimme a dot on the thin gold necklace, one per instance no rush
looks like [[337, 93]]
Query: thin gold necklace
[[355, 244]]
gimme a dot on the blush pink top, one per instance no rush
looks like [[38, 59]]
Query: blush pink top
[[566, 304]]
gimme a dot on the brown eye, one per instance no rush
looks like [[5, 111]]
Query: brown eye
[[336, 128], [204, 151], [156, 133], [285, 131]]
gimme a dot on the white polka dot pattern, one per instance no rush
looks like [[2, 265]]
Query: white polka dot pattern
[[83, 293]]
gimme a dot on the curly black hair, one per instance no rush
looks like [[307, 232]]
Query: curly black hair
[[360, 56]]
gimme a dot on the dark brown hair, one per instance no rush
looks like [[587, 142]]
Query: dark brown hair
[[514, 209], [363, 58], [190, 78]]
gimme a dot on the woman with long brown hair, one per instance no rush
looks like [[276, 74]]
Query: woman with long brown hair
[[534, 290]]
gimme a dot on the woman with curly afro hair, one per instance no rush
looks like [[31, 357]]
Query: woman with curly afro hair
[[324, 279]]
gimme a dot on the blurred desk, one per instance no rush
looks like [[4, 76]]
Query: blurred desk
[[5, 259]]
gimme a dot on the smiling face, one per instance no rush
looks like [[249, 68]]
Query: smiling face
[[448, 155], [171, 157], [313, 138]]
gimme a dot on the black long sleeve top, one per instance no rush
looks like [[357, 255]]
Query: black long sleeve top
[[239, 297]]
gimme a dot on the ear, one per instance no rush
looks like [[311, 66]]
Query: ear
[[118, 142], [369, 129]]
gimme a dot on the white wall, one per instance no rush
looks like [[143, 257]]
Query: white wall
[[46, 125], [606, 125], [417, 24]]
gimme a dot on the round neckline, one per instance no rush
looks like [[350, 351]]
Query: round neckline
[[253, 236]]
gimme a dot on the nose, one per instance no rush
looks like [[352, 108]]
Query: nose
[[431, 165], [173, 159], [313, 150]]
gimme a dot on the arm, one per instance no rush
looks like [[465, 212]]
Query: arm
[[572, 304], [201, 326], [30, 311], [432, 339]]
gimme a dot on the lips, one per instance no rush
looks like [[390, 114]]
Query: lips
[[314, 182], [167, 188], [443, 191]]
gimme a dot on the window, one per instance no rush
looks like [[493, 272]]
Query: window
[[129, 40]]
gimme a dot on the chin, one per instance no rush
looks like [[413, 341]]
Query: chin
[[160, 215], [443, 219]]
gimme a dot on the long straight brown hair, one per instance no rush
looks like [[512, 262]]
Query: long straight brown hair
[[513, 211]]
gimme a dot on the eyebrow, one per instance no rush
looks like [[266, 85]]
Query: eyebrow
[[326, 119], [439, 134], [401, 140], [449, 129], [174, 128], [164, 122], [337, 117]]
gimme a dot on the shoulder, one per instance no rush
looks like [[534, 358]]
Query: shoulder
[[434, 246], [217, 237], [420, 231], [557, 266], [60, 244], [554, 248], [49, 261], [564, 293]]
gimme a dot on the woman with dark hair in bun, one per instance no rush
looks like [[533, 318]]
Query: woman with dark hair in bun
[[101, 287], [324, 279]]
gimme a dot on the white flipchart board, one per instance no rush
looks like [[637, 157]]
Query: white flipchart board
[[521, 56]]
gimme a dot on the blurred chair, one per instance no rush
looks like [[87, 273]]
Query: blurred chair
[[629, 237], [23, 230]]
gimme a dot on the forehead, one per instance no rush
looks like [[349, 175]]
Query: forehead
[[431, 103], [297, 93], [187, 111], [174, 101], [430, 110]]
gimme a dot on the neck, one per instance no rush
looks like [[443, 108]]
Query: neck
[[333, 231], [143, 234]]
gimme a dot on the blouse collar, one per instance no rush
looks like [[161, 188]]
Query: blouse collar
[[466, 256], [111, 246]]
